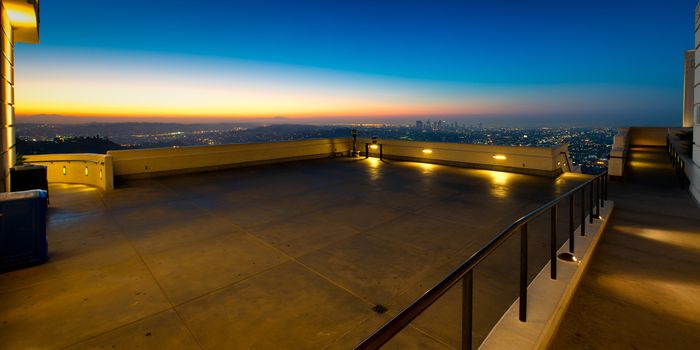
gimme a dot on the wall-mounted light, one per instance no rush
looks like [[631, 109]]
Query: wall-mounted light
[[558, 163], [373, 146], [499, 157], [100, 174], [86, 171], [427, 151], [64, 170]]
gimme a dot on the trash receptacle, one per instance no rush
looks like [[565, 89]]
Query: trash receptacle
[[23, 240], [28, 177]]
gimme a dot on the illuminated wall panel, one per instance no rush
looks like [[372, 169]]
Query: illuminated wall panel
[[695, 168], [7, 137], [7, 142]]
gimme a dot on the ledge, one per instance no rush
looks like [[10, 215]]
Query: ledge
[[547, 299]]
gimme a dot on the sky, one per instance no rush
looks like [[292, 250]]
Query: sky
[[601, 63]]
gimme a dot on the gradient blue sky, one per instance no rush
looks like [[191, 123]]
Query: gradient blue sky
[[617, 61]]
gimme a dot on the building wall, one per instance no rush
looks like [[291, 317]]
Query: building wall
[[7, 111], [694, 168], [688, 89]]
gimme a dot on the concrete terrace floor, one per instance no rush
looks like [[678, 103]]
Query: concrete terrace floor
[[641, 288], [284, 256]]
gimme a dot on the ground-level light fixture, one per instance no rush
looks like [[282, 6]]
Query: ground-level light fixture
[[427, 151], [499, 157], [568, 257]]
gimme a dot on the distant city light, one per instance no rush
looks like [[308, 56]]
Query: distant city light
[[499, 157]]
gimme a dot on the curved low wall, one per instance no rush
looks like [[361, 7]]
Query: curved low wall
[[82, 168]]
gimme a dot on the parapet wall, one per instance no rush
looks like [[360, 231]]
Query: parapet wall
[[547, 161], [101, 170], [618, 153], [655, 137], [163, 161], [82, 168]]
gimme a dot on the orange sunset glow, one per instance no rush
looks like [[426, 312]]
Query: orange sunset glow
[[118, 84]]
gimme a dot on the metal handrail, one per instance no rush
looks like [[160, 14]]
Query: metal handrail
[[677, 162], [597, 185]]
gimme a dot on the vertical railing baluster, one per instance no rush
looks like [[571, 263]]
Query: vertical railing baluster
[[583, 211], [590, 203], [602, 190], [381, 152], [523, 272], [607, 184], [553, 243], [366, 150], [597, 197], [571, 222], [467, 309]]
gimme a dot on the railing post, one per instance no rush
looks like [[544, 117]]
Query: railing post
[[366, 150], [553, 243], [607, 184], [605, 189], [583, 211], [603, 178], [381, 151], [571, 222], [590, 203], [467, 309], [597, 197], [523, 272]]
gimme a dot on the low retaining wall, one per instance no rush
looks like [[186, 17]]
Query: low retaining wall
[[547, 161], [164, 161], [642, 136], [548, 299], [101, 170], [82, 168]]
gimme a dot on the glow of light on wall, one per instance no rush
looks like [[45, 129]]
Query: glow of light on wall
[[21, 14], [374, 147]]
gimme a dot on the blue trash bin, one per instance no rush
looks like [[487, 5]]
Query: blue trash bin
[[23, 240]]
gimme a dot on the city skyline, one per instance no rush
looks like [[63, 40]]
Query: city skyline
[[536, 64]]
